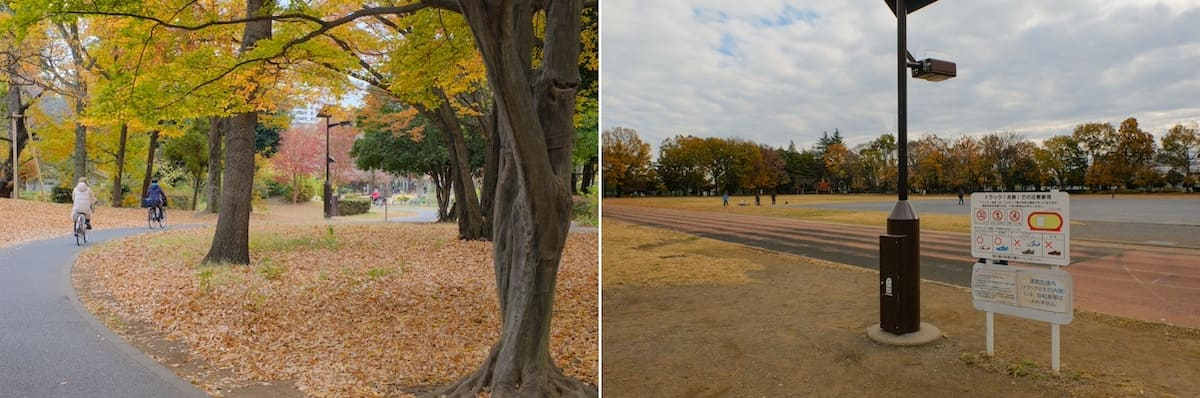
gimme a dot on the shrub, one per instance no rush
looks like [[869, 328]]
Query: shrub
[[351, 205], [63, 194], [179, 202], [585, 210], [309, 188]]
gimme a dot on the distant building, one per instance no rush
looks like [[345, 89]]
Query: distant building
[[306, 114]]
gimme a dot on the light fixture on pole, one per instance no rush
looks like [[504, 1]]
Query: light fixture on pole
[[327, 192], [900, 248]]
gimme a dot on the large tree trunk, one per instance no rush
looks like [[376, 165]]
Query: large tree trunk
[[491, 172], [213, 186], [533, 201], [442, 182], [117, 192], [589, 174], [80, 143], [470, 216], [150, 163], [231, 240], [13, 100]]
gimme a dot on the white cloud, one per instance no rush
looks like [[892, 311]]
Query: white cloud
[[779, 71]]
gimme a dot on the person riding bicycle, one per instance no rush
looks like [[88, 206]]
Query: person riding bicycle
[[157, 197], [83, 202]]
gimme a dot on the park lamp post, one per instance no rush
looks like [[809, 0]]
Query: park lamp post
[[327, 193], [16, 191], [900, 248]]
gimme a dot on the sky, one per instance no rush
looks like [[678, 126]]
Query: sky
[[778, 71]]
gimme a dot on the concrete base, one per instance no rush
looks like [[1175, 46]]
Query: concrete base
[[925, 335]]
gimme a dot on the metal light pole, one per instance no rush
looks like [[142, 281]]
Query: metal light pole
[[327, 193], [900, 247], [16, 173]]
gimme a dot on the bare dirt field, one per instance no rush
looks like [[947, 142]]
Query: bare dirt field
[[691, 317]]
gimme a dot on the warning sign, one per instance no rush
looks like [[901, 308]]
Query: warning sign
[[1030, 227]]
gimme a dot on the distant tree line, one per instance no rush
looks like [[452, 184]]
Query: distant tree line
[[1094, 157]]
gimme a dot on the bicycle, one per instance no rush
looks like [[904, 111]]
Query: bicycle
[[156, 216], [80, 229]]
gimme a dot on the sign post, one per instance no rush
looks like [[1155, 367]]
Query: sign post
[[1029, 227]]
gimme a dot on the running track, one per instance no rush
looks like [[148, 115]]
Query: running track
[[1141, 282]]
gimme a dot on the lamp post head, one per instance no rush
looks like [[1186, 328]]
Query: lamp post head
[[934, 70], [911, 5]]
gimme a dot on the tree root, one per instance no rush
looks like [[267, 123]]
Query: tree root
[[549, 383]]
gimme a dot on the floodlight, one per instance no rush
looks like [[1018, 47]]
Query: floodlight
[[934, 70]]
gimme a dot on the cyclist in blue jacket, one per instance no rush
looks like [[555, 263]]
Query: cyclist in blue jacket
[[157, 196]]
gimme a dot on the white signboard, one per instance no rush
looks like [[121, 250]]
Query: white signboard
[[1030, 227], [1031, 293]]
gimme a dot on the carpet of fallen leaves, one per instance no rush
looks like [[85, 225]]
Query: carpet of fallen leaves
[[28, 220], [344, 310]]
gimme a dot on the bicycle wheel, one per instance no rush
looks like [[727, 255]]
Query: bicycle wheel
[[150, 218], [162, 219], [80, 230]]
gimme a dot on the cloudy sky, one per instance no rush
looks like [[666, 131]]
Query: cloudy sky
[[775, 71]]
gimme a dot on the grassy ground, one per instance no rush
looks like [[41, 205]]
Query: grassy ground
[[790, 206], [688, 316]]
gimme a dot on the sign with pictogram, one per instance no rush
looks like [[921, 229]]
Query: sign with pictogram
[[1030, 227]]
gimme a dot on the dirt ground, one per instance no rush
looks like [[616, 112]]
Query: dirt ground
[[686, 316]]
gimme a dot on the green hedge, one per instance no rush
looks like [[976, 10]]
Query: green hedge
[[351, 205], [63, 194]]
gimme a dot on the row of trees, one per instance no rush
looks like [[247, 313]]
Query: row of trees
[[1095, 156]]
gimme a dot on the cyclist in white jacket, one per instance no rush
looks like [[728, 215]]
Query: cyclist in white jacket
[[83, 201]]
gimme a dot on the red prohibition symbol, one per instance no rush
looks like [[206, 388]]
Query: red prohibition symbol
[[981, 215], [997, 215], [1014, 216]]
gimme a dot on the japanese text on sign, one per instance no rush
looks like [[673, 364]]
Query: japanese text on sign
[[1031, 293], [1031, 227]]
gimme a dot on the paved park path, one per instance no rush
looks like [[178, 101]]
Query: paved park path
[[50, 346], [1158, 284]]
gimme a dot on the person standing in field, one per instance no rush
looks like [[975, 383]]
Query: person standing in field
[[725, 199]]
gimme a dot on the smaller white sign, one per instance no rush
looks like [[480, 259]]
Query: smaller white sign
[[1031, 293]]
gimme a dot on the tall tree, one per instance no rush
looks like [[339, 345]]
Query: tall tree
[[1132, 154], [682, 162], [190, 153], [231, 241], [1180, 150], [626, 161], [1062, 161], [413, 147]]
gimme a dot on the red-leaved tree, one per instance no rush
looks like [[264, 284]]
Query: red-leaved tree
[[300, 154]]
